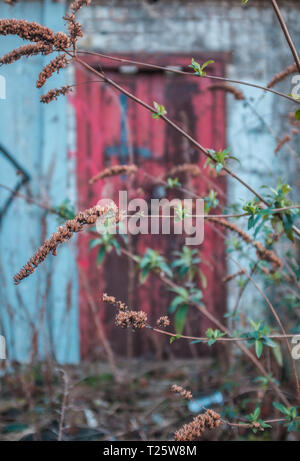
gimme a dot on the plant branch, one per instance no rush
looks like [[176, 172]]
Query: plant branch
[[178, 128], [278, 322], [286, 33], [191, 74], [222, 327]]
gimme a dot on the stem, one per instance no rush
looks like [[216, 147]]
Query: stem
[[191, 74], [222, 327], [64, 404], [207, 216], [33, 201], [286, 33], [99, 327], [180, 130], [205, 339], [278, 322]]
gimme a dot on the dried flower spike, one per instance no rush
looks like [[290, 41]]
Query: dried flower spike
[[112, 300], [133, 319], [230, 277], [238, 94], [183, 392], [27, 30], [114, 171], [53, 94], [163, 322], [34, 32], [188, 168], [54, 66], [126, 318], [74, 28], [261, 251], [26, 50], [194, 430], [282, 142], [63, 234], [77, 4], [282, 75]]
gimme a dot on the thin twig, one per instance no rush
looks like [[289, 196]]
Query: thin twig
[[179, 129], [222, 327], [99, 327], [278, 322], [221, 339], [191, 74], [64, 403], [286, 33]]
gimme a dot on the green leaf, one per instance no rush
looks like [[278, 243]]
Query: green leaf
[[100, 256], [172, 339], [175, 303], [180, 318], [281, 408], [144, 274], [288, 226], [199, 69], [264, 425], [278, 354], [206, 63], [197, 341], [211, 342], [258, 348], [117, 247], [219, 167], [293, 426], [297, 114], [95, 242], [268, 341], [165, 268], [256, 413], [160, 110], [173, 183], [203, 279]]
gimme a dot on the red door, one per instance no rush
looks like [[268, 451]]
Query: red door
[[112, 129]]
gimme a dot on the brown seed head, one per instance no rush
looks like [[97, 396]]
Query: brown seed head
[[183, 392], [26, 50], [194, 430], [54, 66], [114, 171], [187, 168], [238, 94], [62, 234], [134, 319], [54, 93], [163, 321]]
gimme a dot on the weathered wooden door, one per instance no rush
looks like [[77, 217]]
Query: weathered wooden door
[[112, 129]]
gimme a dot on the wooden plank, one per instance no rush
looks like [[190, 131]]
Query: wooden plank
[[36, 135]]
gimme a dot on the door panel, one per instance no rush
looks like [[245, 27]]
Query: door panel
[[112, 129]]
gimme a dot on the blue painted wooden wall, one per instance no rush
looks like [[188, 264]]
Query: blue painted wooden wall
[[36, 135]]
